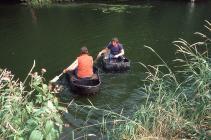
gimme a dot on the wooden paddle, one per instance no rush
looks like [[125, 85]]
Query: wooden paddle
[[56, 78], [72, 66], [96, 59]]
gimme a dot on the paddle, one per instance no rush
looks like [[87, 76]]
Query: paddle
[[56, 78], [96, 59], [71, 67]]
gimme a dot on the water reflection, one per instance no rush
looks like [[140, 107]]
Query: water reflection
[[33, 15], [191, 8]]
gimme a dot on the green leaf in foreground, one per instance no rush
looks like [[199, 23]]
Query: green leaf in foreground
[[36, 135]]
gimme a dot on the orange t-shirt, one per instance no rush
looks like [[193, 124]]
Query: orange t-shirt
[[85, 66]]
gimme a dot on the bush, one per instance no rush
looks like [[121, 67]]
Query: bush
[[28, 112]]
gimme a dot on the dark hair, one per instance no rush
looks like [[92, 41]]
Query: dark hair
[[115, 39], [84, 50]]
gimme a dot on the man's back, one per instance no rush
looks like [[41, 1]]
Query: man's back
[[85, 66]]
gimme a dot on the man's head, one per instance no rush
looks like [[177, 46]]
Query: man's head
[[84, 50], [115, 41]]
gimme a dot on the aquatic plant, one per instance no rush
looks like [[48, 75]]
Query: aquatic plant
[[28, 111], [178, 104], [109, 8], [112, 8], [37, 3]]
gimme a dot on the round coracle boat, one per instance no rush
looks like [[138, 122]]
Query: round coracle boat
[[116, 65], [85, 86]]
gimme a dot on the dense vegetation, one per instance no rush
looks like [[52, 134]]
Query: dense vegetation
[[178, 105], [28, 110]]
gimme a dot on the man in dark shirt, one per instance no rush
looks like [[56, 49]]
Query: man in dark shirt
[[113, 50]]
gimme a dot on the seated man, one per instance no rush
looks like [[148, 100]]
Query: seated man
[[83, 65], [113, 50]]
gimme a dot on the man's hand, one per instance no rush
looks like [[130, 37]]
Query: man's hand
[[65, 70], [116, 56]]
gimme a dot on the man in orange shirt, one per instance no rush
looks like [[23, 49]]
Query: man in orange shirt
[[83, 65]]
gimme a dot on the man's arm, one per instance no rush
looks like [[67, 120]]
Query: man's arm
[[104, 51], [120, 54], [72, 66], [101, 52]]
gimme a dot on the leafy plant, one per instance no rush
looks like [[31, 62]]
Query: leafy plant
[[28, 112]]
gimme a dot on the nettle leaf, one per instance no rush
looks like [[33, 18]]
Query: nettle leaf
[[31, 122], [38, 89], [49, 126], [58, 119], [20, 138], [62, 109], [208, 96], [51, 106], [29, 108], [53, 135], [39, 98], [39, 111], [45, 88], [55, 101], [36, 135]]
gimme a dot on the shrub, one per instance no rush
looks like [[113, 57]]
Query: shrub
[[28, 112]]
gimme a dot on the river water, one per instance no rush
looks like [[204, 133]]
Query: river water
[[52, 36]]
